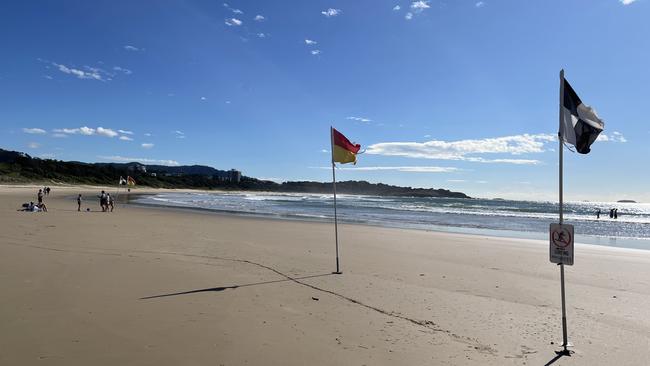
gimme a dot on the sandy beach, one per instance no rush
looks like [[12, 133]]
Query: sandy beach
[[155, 286]]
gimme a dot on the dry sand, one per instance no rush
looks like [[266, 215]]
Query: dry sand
[[73, 284]]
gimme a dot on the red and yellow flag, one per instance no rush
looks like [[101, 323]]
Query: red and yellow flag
[[343, 151]]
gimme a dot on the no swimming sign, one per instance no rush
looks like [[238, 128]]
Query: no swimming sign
[[561, 244]]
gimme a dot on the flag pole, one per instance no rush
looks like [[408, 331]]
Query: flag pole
[[565, 341], [336, 224]]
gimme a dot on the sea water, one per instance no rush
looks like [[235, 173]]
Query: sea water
[[528, 219]]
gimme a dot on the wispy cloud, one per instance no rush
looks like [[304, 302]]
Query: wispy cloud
[[331, 12], [125, 138], [408, 169], [466, 150], [261, 35], [614, 137], [235, 11], [259, 18], [131, 48], [480, 4], [125, 132], [147, 145], [59, 135], [81, 74], [233, 22], [33, 145], [123, 159], [34, 131], [627, 2], [310, 42], [396, 7], [408, 16], [316, 52], [359, 119], [179, 134], [122, 70]]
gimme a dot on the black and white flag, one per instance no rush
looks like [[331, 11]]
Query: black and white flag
[[579, 123]]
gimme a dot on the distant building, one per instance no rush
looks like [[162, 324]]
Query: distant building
[[232, 175]]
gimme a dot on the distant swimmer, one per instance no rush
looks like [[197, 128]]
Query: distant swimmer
[[616, 213], [598, 214], [611, 213]]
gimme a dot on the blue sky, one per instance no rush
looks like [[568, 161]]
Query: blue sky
[[454, 94]]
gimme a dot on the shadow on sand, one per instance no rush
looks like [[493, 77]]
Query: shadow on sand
[[232, 287], [558, 355]]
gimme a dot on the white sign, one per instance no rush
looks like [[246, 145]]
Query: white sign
[[561, 244]]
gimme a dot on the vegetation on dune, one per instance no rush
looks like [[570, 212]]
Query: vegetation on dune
[[16, 167]]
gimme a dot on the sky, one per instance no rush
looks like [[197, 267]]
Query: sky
[[455, 94]]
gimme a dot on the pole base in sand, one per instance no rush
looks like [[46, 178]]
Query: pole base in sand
[[337, 272]]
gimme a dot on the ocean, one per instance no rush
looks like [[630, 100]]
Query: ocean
[[495, 217]]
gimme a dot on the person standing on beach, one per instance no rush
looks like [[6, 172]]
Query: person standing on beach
[[611, 213], [102, 201], [40, 196], [79, 202], [598, 214], [616, 213]]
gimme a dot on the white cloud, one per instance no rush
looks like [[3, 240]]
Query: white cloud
[[324, 151], [59, 135], [233, 22], [147, 134], [261, 35], [466, 150], [122, 159], [419, 6], [48, 77], [614, 137], [47, 156], [237, 11], [105, 132], [397, 7], [84, 130], [125, 132], [147, 145], [92, 73], [33, 145], [131, 48], [331, 12], [359, 119], [310, 41], [456, 180], [203, 98], [259, 18], [123, 70], [408, 16], [409, 169], [34, 131], [316, 52], [627, 2], [179, 132], [480, 4], [125, 138]]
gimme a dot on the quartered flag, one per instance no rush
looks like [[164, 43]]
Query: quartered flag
[[579, 123], [343, 151]]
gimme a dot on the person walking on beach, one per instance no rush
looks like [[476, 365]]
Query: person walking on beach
[[79, 202], [47, 191], [598, 214], [39, 196], [110, 202]]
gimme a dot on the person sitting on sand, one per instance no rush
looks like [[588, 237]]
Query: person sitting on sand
[[42, 207], [79, 202], [110, 202]]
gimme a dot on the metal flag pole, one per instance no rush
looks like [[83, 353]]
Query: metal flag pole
[[565, 341], [336, 224]]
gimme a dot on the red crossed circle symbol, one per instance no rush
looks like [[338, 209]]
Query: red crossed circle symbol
[[562, 238]]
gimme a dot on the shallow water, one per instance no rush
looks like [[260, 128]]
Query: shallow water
[[509, 218]]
